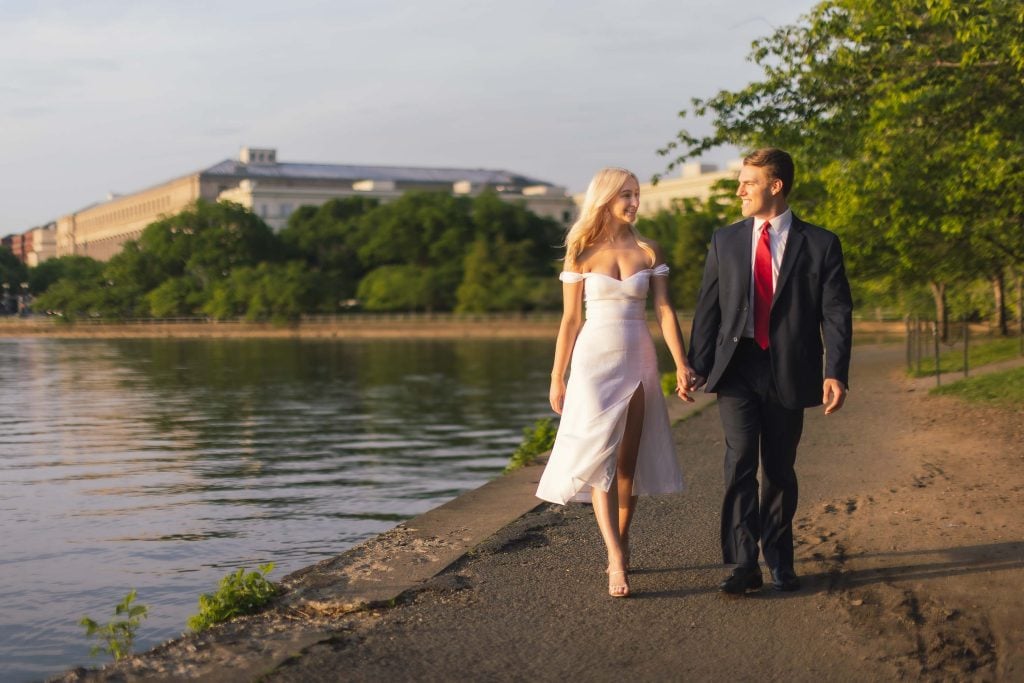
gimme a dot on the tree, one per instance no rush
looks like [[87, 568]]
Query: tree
[[76, 289], [207, 241], [909, 115], [327, 239], [278, 292], [12, 273], [398, 288]]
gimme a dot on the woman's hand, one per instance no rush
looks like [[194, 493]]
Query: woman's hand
[[685, 383], [557, 394]]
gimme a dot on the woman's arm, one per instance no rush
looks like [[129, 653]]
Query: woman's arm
[[568, 330], [665, 313]]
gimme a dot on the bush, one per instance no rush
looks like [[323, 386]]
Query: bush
[[239, 593], [536, 440]]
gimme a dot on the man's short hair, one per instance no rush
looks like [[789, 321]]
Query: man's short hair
[[777, 162]]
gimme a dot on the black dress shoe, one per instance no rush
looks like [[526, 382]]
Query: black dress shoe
[[785, 579], [741, 580]]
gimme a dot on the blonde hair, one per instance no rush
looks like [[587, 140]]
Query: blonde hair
[[604, 187]]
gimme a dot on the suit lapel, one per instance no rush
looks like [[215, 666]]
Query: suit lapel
[[794, 243]]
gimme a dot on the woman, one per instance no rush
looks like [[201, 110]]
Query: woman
[[614, 441]]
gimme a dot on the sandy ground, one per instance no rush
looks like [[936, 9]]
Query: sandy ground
[[910, 542]]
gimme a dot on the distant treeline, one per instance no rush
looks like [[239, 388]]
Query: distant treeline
[[422, 252]]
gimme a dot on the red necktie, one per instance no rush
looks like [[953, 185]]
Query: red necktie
[[763, 287]]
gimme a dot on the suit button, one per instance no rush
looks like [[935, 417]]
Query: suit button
[[735, 339]]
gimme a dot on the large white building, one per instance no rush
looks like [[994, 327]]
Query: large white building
[[694, 181], [273, 190]]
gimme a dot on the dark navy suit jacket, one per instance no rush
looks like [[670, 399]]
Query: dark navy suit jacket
[[811, 314]]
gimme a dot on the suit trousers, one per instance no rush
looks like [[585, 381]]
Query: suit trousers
[[757, 424]]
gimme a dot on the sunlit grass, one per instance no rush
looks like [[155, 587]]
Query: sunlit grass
[[979, 353], [1001, 388]]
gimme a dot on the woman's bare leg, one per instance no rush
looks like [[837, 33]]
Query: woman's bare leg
[[606, 511], [626, 467], [614, 508]]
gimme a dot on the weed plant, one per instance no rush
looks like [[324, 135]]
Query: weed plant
[[536, 440], [117, 635], [239, 593]]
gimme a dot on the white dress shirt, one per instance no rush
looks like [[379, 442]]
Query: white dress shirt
[[777, 235]]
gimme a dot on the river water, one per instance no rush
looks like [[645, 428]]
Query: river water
[[161, 465]]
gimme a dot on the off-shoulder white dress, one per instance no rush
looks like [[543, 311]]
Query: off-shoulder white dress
[[613, 357]]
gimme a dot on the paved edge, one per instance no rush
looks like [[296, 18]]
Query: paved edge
[[379, 570], [375, 573]]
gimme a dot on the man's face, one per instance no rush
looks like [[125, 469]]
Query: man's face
[[758, 192]]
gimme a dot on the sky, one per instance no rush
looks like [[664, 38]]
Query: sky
[[115, 96]]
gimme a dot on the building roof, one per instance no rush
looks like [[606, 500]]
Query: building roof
[[355, 172]]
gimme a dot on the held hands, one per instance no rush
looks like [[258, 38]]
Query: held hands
[[556, 395], [686, 382], [833, 395]]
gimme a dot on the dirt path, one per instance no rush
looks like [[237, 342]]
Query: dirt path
[[910, 541]]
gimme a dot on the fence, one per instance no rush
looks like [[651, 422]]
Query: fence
[[923, 339]]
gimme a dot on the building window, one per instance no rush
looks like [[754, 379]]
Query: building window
[[286, 210], [263, 210]]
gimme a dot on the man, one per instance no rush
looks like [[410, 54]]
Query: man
[[774, 298]]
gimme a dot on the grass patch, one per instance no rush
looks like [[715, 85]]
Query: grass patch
[[980, 353], [536, 440], [1001, 388]]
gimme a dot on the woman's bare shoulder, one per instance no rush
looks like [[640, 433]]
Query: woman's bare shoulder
[[653, 246]]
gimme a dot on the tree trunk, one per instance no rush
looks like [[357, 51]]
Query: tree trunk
[[941, 317], [999, 299]]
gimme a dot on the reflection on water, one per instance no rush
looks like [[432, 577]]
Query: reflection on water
[[161, 465]]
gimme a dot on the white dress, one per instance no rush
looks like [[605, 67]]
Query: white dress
[[613, 356]]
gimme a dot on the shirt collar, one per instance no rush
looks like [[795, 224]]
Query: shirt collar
[[780, 224]]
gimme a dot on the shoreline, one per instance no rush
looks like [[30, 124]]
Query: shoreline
[[390, 327]]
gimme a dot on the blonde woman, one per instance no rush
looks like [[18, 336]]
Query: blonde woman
[[614, 441]]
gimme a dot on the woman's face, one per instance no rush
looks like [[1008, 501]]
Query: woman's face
[[624, 207]]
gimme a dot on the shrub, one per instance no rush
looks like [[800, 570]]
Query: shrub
[[536, 440], [117, 635], [239, 593]]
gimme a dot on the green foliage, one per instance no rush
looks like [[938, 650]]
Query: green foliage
[[12, 270], [668, 383], [77, 268], [117, 636], [397, 288], [422, 252], [176, 296], [277, 292], [537, 439], [1005, 389], [906, 118], [239, 593]]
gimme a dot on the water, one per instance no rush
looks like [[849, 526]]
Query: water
[[162, 465]]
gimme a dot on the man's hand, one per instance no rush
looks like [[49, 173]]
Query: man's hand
[[833, 395], [696, 381]]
